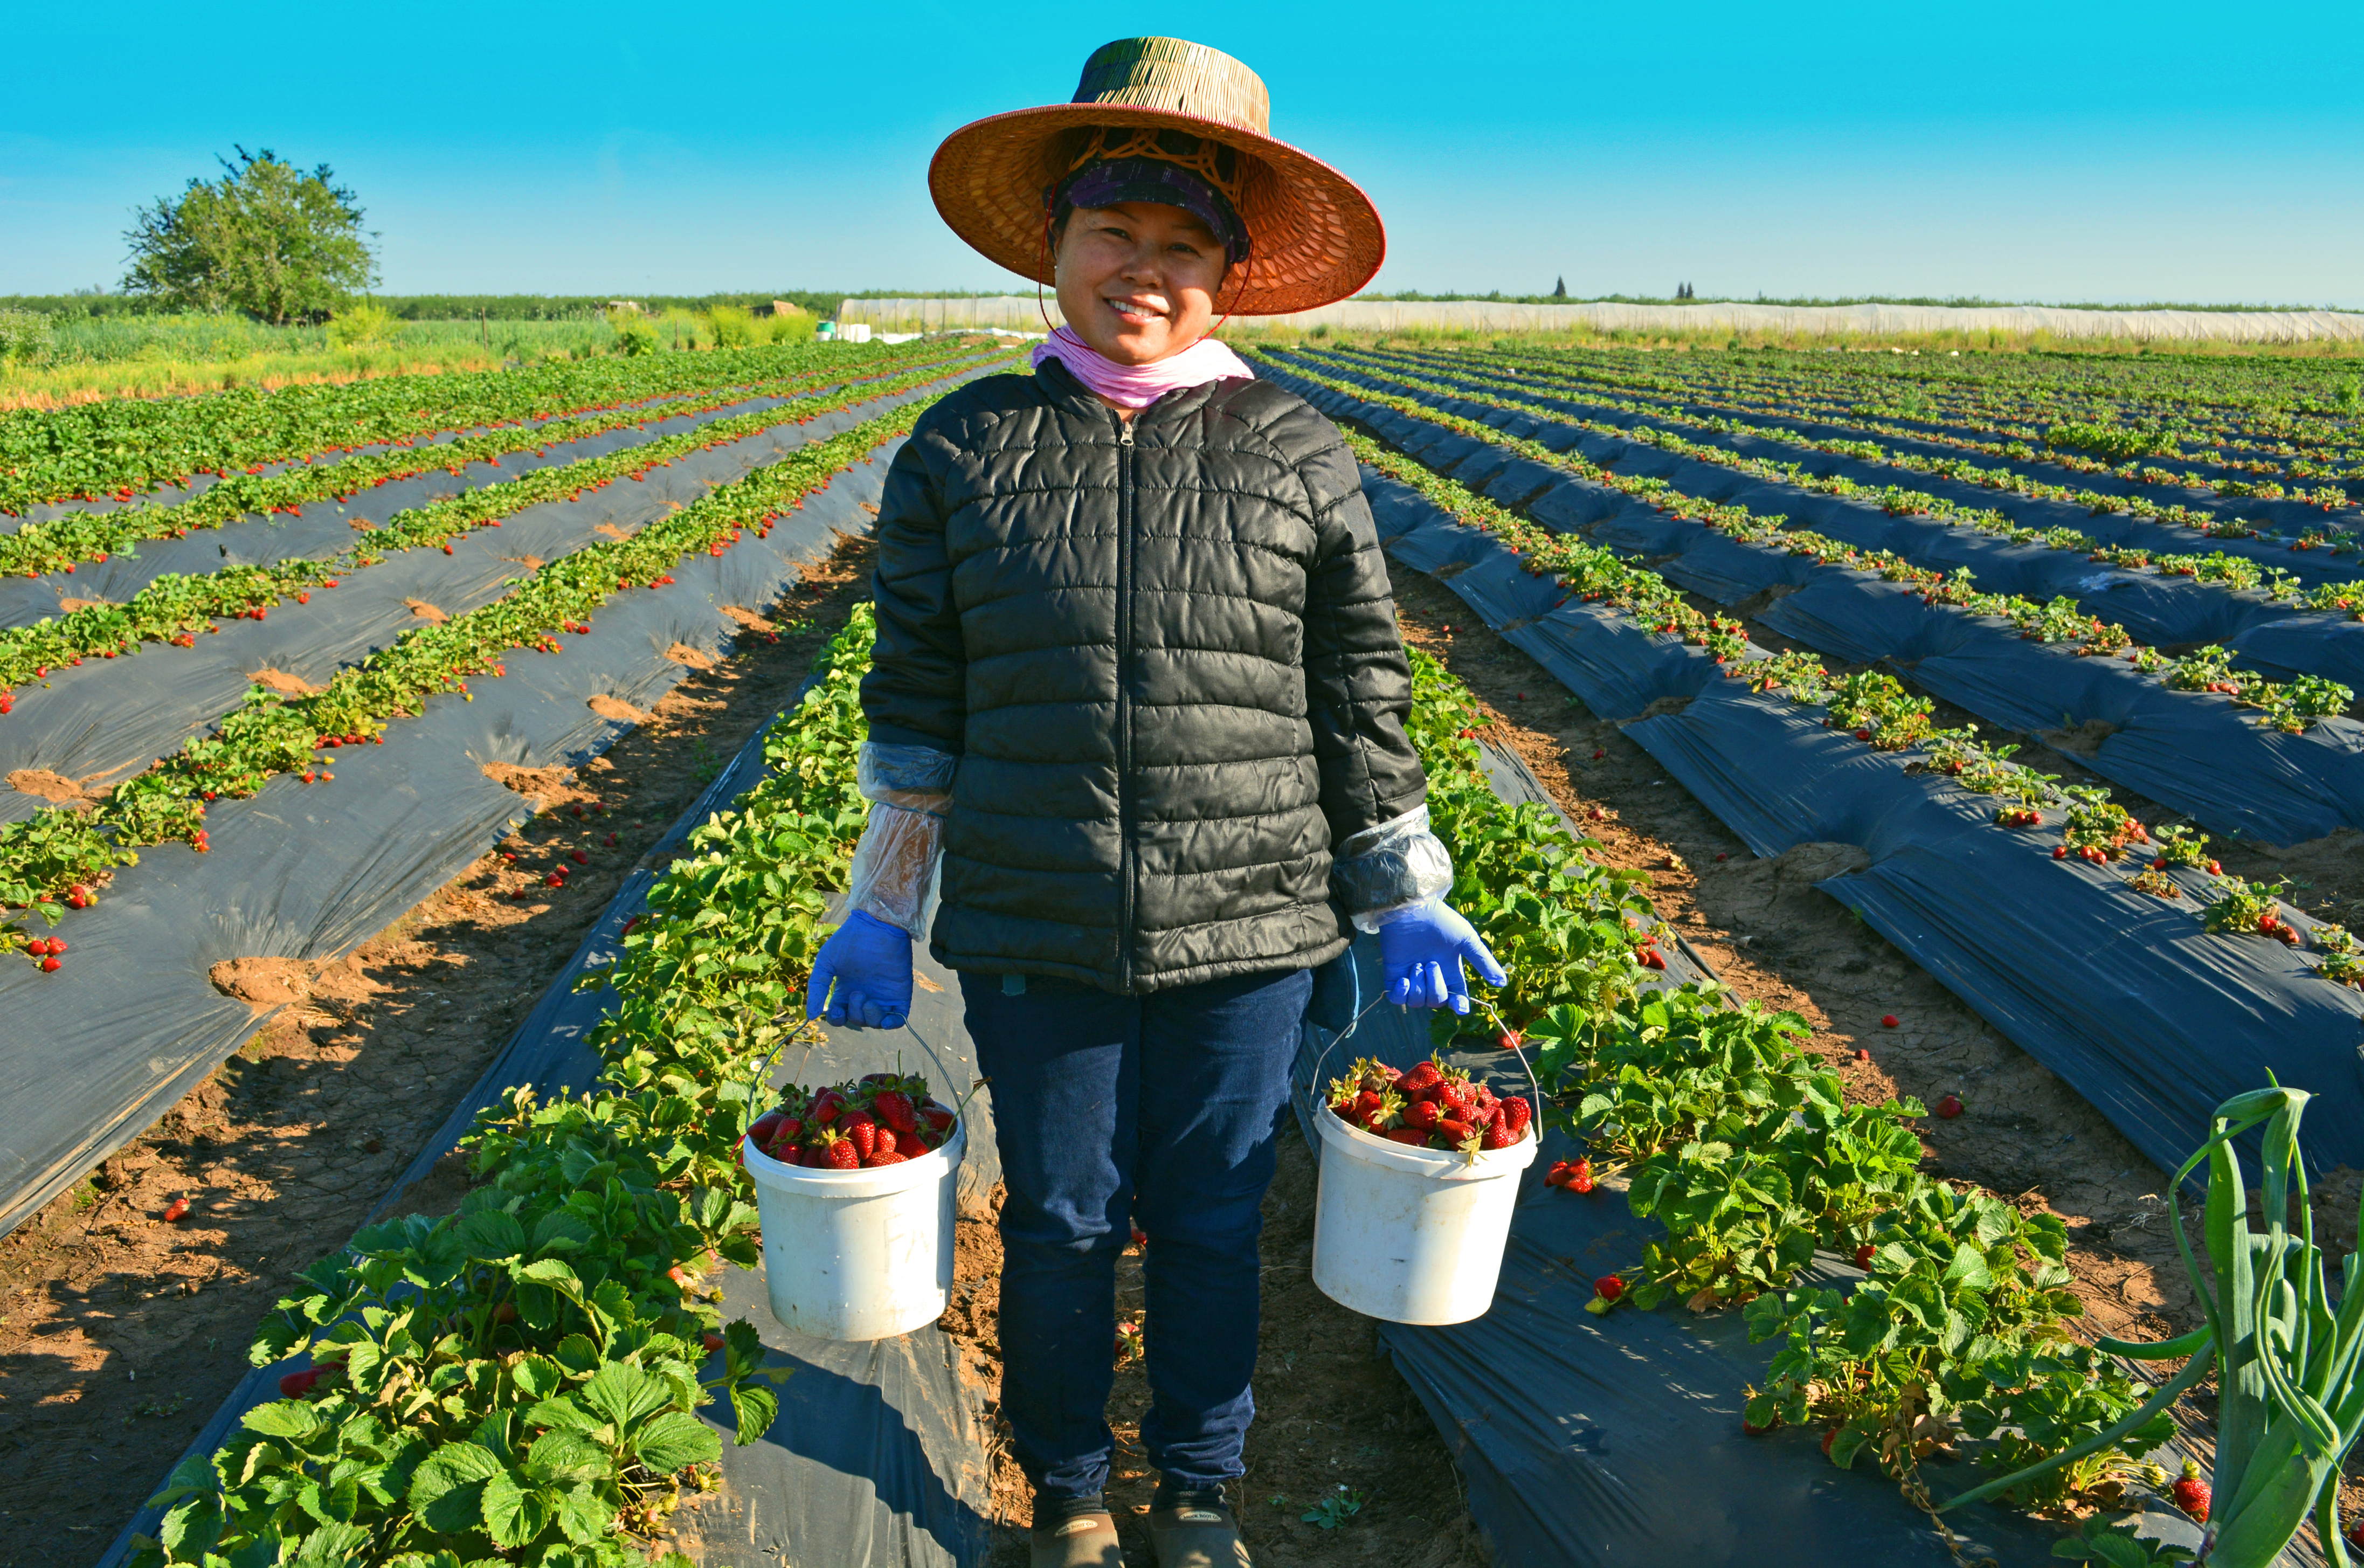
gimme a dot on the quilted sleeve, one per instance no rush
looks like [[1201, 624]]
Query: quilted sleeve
[[1357, 682], [914, 692]]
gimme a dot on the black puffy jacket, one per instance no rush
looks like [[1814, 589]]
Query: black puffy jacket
[[1165, 655]]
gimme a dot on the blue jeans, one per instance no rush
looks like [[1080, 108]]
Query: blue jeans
[[1164, 1107]]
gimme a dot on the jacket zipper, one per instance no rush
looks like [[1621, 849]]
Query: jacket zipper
[[1125, 700]]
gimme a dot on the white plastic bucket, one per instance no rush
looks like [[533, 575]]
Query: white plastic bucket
[[861, 1254], [1411, 1235]]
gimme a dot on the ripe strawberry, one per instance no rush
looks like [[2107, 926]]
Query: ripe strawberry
[[1367, 1105], [711, 1340], [1830, 1436], [885, 1157], [2190, 1493], [1609, 1287], [52, 965], [827, 1107], [893, 1107], [1421, 1115], [863, 1130], [766, 1126], [1861, 1055], [837, 1152], [1416, 1136], [1424, 1076], [176, 1211], [1888, 1020], [1949, 1108], [1510, 1039], [1863, 1255], [2059, 851], [1140, 1236], [297, 1385], [1579, 1177], [1520, 1114], [1454, 1132], [887, 1140]]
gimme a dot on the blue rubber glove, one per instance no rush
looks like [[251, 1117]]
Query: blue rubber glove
[[870, 962], [1421, 952]]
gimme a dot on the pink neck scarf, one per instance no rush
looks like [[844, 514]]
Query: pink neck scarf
[[1138, 386]]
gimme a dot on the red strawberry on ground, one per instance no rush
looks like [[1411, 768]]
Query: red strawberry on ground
[[176, 1211], [1609, 1287], [1949, 1108], [1888, 1020], [2190, 1493], [1579, 1177]]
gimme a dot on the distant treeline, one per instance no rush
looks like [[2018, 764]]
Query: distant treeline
[[822, 303], [1964, 301]]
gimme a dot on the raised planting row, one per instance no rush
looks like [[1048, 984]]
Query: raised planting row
[[104, 450], [1955, 403], [2273, 528], [77, 538], [1726, 1132], [2011, 890], [2137, 534], [175, 608], [64, 853], [2170, 726], [518, 1381]]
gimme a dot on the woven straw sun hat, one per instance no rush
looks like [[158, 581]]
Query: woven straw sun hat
[[1313, 235]]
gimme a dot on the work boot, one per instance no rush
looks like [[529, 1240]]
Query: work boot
[[1193, 1526], [1074, 1533]]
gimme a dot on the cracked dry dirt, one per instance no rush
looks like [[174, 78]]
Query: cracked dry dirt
[[119, 1333]]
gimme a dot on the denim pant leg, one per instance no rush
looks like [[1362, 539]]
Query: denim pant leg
[[1061, 1059], [1213, 1083]]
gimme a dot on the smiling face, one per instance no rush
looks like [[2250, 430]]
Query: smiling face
[[1138, 280]]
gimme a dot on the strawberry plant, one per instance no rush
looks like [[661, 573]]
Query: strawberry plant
[[175, 608], [271, 735], [518, 1381], [2290, 1378]]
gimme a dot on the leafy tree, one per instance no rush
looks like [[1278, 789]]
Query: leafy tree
[[266, 238]]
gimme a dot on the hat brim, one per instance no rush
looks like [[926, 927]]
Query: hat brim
[[1313, 235]]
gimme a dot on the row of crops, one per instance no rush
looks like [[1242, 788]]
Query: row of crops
[[273, 754], [518, 1381], [2114, 951]]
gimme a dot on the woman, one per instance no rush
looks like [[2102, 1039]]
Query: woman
[[1138, 686]]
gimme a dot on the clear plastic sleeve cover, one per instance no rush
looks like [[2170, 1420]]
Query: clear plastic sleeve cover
[[1385, 870], [895, 863]]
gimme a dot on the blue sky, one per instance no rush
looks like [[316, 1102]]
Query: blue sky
[[2051, 152]]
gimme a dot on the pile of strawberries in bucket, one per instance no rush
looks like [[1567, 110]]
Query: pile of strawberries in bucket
[[883, 1119], [1432, 1106]]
